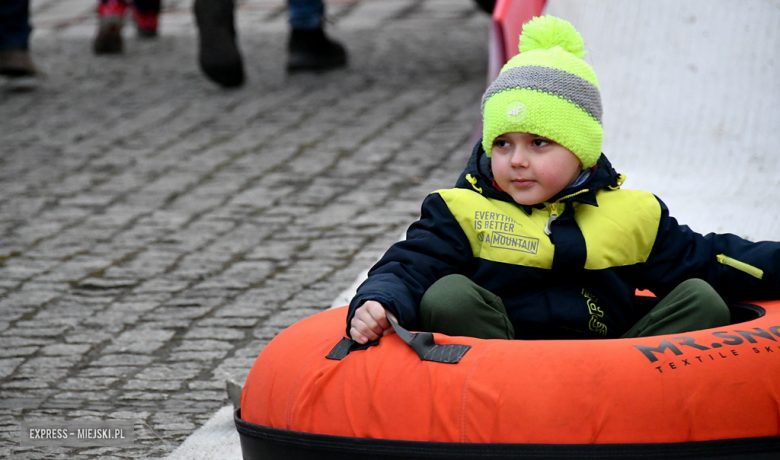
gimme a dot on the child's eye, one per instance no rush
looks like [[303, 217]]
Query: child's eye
[[500, 143], [540, 142]]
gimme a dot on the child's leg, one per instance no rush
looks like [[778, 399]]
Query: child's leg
[[692, 306], [111, 14], [146, 14], [455, 305], [147, 6]]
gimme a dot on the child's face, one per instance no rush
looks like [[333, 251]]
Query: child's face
[[531, 168]]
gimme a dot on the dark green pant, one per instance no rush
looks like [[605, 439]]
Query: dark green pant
[[455, 305]]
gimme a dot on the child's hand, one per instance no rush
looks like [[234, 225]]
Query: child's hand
[[370, 322]]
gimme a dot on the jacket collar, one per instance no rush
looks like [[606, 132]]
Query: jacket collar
[[478, 177]]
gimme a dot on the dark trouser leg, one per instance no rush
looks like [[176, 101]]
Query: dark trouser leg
[[143, 6], [693, 305], [147, 6], [306, 14], [455, 305], [15, 60], [146, 14], [14, 24]]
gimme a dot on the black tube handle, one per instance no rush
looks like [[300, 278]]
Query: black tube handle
[[421, 342]]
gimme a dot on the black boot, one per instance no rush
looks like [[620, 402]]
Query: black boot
[[218, 56], [311, 49]]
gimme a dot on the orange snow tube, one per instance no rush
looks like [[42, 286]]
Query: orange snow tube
[[710, 394]]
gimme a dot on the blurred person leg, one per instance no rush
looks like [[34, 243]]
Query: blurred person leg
[[309, 48], [111, 17], [218, 53], [146, 14], [16, 64], [15, 30]]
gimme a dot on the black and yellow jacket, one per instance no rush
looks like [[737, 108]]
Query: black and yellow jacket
[[568, 268]]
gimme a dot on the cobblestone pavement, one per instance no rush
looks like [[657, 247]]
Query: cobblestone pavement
[[157, 231]]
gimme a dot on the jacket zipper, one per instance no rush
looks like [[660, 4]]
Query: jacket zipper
[[554, 211], [557, 208], [741, 266]]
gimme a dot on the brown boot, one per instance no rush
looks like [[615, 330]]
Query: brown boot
[[20, 73], [16, 63]]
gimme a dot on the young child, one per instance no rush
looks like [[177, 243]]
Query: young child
[[538, 241]]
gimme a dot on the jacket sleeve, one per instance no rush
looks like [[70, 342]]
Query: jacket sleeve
[[679, 254], [435, 246]]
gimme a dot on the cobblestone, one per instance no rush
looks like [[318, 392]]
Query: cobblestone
[[156, 232]]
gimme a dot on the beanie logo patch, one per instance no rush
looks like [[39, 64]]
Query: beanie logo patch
[[516, 112]]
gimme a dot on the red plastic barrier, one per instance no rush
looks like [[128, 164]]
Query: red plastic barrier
[[508, 19]]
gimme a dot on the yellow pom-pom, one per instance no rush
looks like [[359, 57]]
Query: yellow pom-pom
[[546, 32]]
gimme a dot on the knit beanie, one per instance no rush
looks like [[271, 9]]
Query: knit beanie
[[547, 90]]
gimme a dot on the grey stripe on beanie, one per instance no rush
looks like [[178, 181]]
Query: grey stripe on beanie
[[553, 81]]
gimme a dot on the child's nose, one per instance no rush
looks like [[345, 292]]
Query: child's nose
[[519, 159]]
